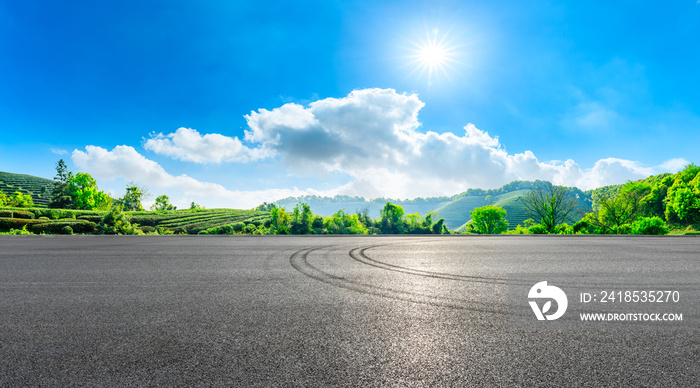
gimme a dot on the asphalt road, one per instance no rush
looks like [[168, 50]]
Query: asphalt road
[[322, 311]]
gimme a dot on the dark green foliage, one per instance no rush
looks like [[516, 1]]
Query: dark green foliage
[[67, 230], [147, 229], [392, 221], [14, 223], [582, 226], [538, 229], [162, 204], [38, 188], [117, 222], [649, 225], [488, 220], [265, 207], [194, 206], [439, 227], [60, 195], [131, 201], [301, 219], [57, 227], [12, 213], [91, 218], [18, 199], [550, 205]]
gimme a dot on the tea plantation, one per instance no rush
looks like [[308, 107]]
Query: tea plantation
[[215, 221]]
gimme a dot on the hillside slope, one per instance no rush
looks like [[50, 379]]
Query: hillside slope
[[455, 210], [39, 188]]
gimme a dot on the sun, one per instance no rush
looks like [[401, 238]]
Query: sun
[[433, 55]]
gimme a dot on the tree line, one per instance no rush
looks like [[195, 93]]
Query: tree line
[[647, 206], [301, 220]]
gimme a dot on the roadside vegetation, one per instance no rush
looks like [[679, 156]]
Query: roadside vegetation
[[72, 203]]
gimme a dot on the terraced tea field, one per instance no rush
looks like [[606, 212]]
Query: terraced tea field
[[39, 188]]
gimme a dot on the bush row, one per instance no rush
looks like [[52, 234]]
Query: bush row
[[52, 227], [46, 226], [7, 213]]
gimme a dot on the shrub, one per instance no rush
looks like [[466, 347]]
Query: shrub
[[564, 229], [148, 229], [238, 227], [581, 226], [56, 227], [92, 218], [250, 228], [16, 214], [537, 229], [116, 222], [649, 225], [519, 229], [22, 231], [14, 223], [67, 230]]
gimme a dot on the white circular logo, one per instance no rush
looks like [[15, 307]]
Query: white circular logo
[[542, 291]]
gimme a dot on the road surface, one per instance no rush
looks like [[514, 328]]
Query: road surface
[[321, 311]]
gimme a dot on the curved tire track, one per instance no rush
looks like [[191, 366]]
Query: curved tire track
[[358, 254], [299, 260]]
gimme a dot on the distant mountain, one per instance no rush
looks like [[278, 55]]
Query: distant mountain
[[39, 188], [455, 210]]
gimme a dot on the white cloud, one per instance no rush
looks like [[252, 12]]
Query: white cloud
[[188, 145], [373, 136], [674, 165], [58, 151], [125, 162]]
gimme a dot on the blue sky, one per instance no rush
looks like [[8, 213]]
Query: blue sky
[[229, 104]]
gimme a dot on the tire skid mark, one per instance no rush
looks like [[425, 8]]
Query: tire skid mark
[[358, 254], [299, 260]]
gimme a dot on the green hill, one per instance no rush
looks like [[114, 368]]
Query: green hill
[[327, 206], [39, 188], [455, 210]]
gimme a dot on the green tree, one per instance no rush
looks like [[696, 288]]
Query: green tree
[[21, 200], [683, 198], [488, 220], [131, 201], [317, 225], [194, 206], [60, 196], [85, 194], [279, 221], [549, 205], [392, 221], [439, 227], [612, 210], [117, 222], [3, 198], [302, 216], [343, 223], [163, 203]]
